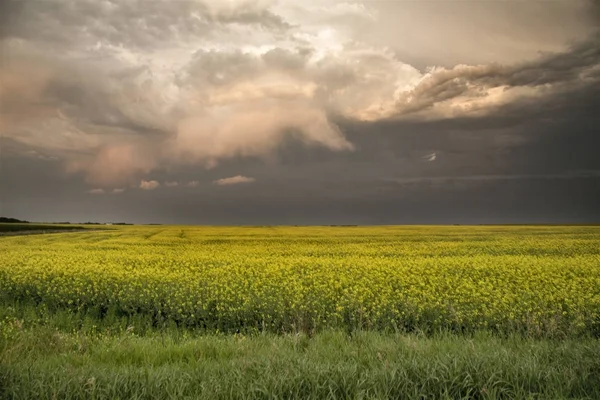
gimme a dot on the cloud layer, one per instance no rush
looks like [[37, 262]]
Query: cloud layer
[[327, 96]]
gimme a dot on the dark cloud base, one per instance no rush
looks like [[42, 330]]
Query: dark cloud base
[[448, 200]]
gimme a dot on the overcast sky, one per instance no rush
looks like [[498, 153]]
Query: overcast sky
[[300, 112]]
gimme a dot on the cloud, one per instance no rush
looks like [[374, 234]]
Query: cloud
[[65, 24], [234, 180], [118, 190], [254, 130], [149, 185], [113, 164], [96, 191], [449, 33], [430, 157], [186, 184], [205, 84], [478, 90], [437, 180]]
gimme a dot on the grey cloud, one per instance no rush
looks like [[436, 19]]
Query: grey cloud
[[578, 66], [285, 59], [448, 33], [108, 101], [310, 114], [9, 13], [561, 67], [554, 133], [137, 23], [246, 14], [221, 68], [339, 188], [476, 178]]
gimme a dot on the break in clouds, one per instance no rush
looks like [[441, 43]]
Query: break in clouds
[[118, 92]]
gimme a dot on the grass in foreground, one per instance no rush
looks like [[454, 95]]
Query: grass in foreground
[[45, 363], [70, 355]]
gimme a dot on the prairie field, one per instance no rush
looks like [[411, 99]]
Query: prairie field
[[482, 312], [540, 281]]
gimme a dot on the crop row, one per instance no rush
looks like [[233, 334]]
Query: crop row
[[543, 281]]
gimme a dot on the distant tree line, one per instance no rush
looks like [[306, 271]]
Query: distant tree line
[[12, 220], [106, 223], [18, 221]]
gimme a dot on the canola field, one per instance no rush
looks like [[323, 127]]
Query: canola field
[[541, 281]]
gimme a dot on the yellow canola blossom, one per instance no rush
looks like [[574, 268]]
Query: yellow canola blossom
[[538, 280]]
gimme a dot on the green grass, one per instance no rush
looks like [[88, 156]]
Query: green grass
[[65, 354], [46, 363]]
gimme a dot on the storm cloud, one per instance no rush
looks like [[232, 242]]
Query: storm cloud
[[320, 103]]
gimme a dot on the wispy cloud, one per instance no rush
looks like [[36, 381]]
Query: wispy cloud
[[149, 185], [171, 183], [192, 184], [118, 190], [234, 180], [430, 157], [498, 177], [96, 191]]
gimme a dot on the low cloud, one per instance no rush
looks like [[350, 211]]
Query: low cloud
[[234, 180], [118, 190], [171, 183], [149, 185], [430, 157], [254, 130], [569, 175], [96, 191], [192, 184], [113, 165]]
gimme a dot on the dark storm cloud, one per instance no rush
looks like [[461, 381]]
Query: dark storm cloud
[[577, 66], [555, 136], [202, 112]]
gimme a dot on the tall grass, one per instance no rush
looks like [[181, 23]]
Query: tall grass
[[49, 364], [64, 355]]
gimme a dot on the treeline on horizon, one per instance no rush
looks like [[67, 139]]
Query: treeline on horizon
[[18, 221], [9, 220]]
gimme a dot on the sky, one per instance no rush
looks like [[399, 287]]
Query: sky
[[315, 112]]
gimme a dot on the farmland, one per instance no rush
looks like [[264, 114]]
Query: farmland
[[537, 287]]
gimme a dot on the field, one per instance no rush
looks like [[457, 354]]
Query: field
[[344, 312]]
